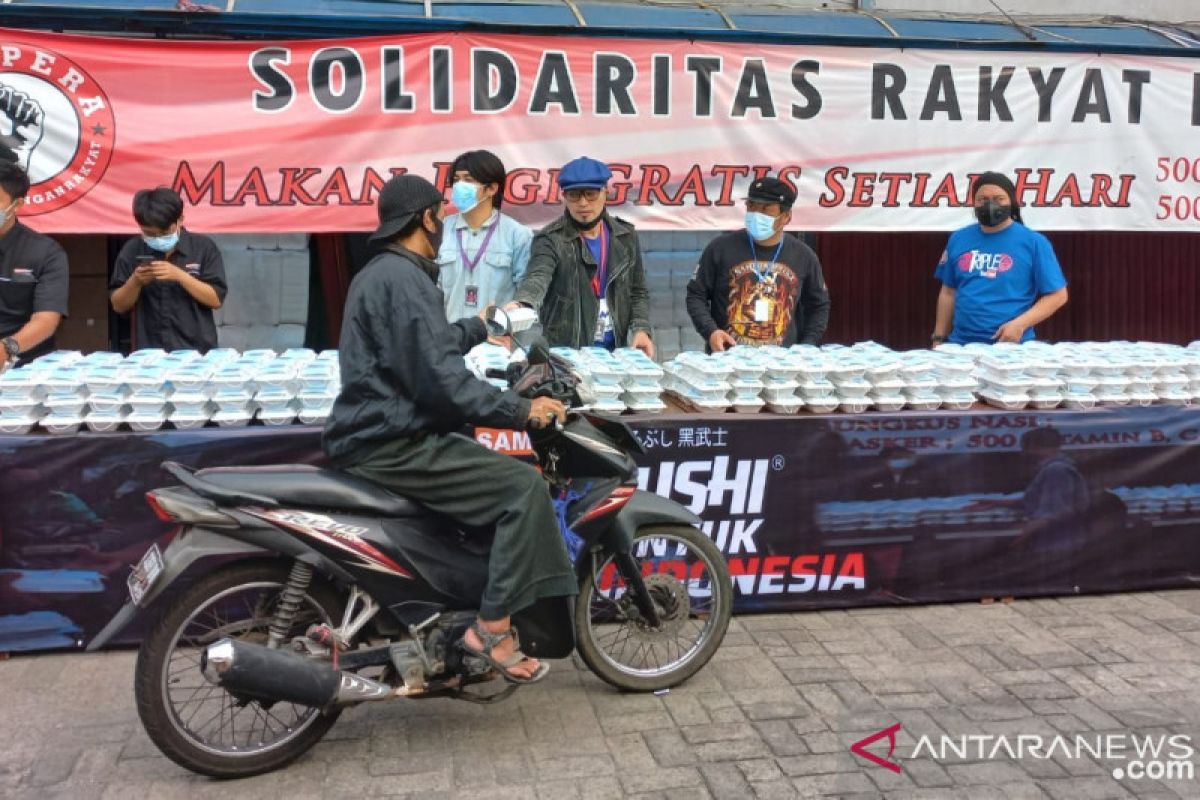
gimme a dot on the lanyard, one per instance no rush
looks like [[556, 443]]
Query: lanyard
[[762, 276], [468, 262], [600, 279]]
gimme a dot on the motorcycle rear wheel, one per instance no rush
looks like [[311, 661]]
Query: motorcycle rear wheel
[[174, 701], [689, 584]]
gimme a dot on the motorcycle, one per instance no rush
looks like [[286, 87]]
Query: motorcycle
[[331, 592]]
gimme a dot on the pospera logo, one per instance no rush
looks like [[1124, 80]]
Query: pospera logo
[[56, 122]]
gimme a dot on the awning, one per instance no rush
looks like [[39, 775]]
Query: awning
[[665, 19]]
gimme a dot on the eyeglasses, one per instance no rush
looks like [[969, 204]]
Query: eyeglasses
[[575, 195]]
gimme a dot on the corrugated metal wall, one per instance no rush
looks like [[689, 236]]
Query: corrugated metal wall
[[1123, 286]]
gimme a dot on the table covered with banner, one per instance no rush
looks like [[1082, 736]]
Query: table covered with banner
[[811, 511]]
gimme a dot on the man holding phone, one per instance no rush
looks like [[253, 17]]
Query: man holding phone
[[171, 278]]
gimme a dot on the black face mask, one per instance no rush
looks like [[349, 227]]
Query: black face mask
[[435, 238], [992, 214], [584, 226]]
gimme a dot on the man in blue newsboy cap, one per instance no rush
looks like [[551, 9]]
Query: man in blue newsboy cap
[[585, 274]]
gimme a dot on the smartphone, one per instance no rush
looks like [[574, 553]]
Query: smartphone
[[145, 259]]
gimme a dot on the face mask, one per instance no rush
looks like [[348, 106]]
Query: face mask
[[435, 238], [761, 226], [465, 196], [902, 463], [4, 214], [163, 244], [992, 214]]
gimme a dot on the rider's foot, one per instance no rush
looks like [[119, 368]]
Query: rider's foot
[[504, 649]]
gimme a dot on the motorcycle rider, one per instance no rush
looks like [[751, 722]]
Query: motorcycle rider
[[405, 392]]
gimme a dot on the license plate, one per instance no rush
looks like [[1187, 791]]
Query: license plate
[[144, 574]]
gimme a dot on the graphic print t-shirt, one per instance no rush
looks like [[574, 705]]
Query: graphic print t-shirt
[[997, 277], [759, 285]]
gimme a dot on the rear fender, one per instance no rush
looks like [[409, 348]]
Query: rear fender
[[191, 545]]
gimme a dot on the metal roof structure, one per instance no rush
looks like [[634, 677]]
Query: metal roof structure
[[695, 19]]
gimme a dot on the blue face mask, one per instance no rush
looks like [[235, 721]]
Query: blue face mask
[[465, 195], [761, 226], [163, 244]]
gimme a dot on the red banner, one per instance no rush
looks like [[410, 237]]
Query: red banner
[[300, 135]]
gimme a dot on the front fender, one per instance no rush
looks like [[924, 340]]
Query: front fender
[[645, 508], [191, 545]]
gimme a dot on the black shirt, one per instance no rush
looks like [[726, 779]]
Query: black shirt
[[403, 372], [756, 299], [166, 315], [33, 278]]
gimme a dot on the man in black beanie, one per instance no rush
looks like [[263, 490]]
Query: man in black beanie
[[999, 278]]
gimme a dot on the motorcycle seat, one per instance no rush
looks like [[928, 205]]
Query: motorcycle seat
[[312, 487]]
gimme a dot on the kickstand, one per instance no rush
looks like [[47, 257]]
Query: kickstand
[[472, 697]]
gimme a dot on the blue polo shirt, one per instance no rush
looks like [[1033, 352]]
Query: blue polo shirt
[[997, 277]]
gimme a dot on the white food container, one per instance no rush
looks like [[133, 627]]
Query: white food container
[[1080, 401], [21, 384], [1112, 398], [1013, 383], [284, 417], [146, 422], [888, 402], [232, 418], [66, 406], [791, 406], [61, 424], [1175, 397], [780, 394], [1009, 401], [1143, 397], [812, 389], [147, 405], [854, 405], [104, 422], [1045, 401], [924, 402], [648, 406], [16, 426], [185, 422], [822, 405], [14, 409], [853, 387], [958, 402], [893, 384], [748, 406]]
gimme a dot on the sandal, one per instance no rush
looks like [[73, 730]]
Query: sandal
[[490, 641]]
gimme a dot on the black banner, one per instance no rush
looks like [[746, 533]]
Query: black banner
[[810, 511]]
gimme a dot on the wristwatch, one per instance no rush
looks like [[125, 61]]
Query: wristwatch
[[11, 349]]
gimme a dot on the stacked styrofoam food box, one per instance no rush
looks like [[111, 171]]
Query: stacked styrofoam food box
[[65, 391]]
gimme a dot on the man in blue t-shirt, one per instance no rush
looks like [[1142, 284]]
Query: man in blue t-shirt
[[999, 278]]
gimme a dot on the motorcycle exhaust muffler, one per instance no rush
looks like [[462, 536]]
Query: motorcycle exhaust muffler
[[251, 670]]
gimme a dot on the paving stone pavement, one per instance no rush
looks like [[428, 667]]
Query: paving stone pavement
[[773, 716]]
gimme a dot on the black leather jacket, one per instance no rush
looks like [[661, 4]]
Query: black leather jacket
[[558, 283]]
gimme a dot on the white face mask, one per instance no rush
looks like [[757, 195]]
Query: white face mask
[[6, 213]]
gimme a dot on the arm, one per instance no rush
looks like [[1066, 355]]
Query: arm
[[125, 297], [1051, 287], [543, 261], [522, 242], [421, 345], [41, 326], [639, 295], [201, 292], [699, 295], [945, 312], [813, 304], [468, 333]]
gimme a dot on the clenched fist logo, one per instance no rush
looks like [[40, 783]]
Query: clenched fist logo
[[22, 125]]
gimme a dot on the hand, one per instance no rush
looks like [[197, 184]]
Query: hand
[[720, 341], [642, 341], [483, 315], [142, 275], [1011, 331], [513, 306], [502, 341], [22, 124], [166, 271], [544, 411]]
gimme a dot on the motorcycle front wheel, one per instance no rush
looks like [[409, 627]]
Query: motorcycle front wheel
[[687, 579], [201, 726]]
